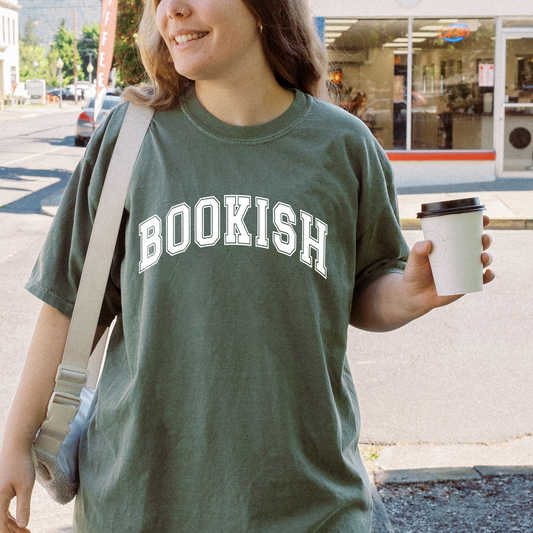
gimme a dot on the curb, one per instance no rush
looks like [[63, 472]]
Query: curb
[[495, 223], [49, 210], [380, 518], [50, 204], [424, 475]]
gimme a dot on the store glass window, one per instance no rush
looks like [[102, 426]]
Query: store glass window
[[368, 66], [453, 84], [452, 92], [518, 23]]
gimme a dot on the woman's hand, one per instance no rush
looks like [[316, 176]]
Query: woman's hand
[[394, 300], [13, 526], [17, 477], [17, 472], [419, 278]]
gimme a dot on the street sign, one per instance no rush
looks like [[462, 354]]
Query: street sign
[[36, 87]]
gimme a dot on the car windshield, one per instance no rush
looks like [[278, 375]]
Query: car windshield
[[108, 103]]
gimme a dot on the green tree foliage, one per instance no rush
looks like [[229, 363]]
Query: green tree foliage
[[32, 57], [32, 61], [63, 47], [126, 56], [88, 46]]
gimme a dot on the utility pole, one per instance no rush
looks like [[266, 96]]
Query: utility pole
[[75, 62]]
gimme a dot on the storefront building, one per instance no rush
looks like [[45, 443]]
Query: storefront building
[[9, 50], [445, 87]]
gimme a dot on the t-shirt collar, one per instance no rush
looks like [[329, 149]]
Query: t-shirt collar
[[213, 126]]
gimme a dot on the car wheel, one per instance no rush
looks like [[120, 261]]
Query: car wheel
[[79, 141]]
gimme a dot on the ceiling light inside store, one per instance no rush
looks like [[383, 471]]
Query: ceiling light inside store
[[334, 27], [448, 21], [342, 21], [425, 34], [333, 34], [431, 28], [394, 45], [405, 52], [405, 40]]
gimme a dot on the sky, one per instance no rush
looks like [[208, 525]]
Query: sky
[[49, 13]]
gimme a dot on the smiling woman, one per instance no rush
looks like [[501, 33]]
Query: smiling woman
[[227, 46], [260, 222], [289, 42]]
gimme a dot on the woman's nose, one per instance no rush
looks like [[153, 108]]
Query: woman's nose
[[176, 9]]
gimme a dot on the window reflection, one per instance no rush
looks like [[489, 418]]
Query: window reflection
[[453, 71], [453, 80], [368, 72]]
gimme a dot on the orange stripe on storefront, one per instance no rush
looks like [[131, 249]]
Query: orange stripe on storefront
[[441, 156]]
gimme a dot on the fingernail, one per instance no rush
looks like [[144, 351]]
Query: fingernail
[[22, 522]]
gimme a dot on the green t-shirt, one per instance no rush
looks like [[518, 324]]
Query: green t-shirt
[[226, 403]]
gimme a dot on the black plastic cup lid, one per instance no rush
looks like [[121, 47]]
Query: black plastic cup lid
[[450, 207]]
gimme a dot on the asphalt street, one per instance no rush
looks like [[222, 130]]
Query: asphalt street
[[461, 374], [37, 157]]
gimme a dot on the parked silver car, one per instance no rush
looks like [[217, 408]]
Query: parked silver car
[[85, 126]]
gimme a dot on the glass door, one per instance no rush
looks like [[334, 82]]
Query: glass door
[[517, 112]]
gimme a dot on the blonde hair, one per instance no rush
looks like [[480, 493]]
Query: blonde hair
[[290, 43]]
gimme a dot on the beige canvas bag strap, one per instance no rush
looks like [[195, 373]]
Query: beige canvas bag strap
[[72, 374]]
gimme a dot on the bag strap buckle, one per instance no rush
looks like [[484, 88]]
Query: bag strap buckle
[[71, 379], [62, 409]]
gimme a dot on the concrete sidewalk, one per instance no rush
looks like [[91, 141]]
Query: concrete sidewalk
[[509, 201], [507, 209], [19, 112], [429, 462]]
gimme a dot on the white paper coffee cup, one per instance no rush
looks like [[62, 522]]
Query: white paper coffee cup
[[455, 229]]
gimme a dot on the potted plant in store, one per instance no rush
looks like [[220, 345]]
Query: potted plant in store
[[461, 99]]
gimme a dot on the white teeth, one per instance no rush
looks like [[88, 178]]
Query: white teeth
[[181, 39]]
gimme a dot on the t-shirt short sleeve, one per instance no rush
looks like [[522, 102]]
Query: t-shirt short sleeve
[[381, 248], [56, 275]]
